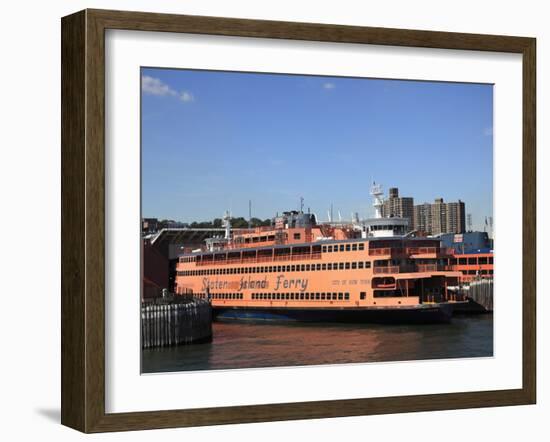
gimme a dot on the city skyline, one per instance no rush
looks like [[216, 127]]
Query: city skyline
[[212, 141]]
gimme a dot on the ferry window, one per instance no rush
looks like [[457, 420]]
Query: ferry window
[[354, 247], [462, 261], [287, 296], [334, 296], [341, 266], [472, 260], [322, 296], [303, 267], [324, 266], [453, 261], [318, 266], [347, 265], [362, 246], [340, 296], [329, 266], [363, 295], [307, 267], [353, 265], [348, 247], [301, 296], [292, 268], [490, 271], [490, 259], [342, 247], [482, 260], [307, 295], [317, 296], [330, 248], [288, 268], [360, 264], [278, 269], [324, 249], [484, 272], [346, 296], [471, 272], [367, 264], [296, 236]]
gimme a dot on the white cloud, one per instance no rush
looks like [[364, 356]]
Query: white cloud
[[329, 86], [186, 96], [155, 86]]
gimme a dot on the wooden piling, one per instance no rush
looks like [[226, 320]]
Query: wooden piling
[[481, 292], [175, 321]]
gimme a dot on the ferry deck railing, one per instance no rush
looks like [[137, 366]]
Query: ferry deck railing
[[433, 268], [262, 259]]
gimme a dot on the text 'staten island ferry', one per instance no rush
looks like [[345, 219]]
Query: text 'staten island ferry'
[[298, 269]]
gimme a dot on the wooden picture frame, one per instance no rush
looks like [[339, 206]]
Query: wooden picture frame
[[83, 220]]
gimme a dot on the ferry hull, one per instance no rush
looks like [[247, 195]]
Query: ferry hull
[[424, 313]]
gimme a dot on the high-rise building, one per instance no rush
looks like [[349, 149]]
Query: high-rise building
[[422, 217], [456, 218], [396, 206], [440, 217]]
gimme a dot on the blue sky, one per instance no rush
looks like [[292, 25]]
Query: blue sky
[[213, 140]]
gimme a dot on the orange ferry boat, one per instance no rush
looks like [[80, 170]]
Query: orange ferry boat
[[297, 269]]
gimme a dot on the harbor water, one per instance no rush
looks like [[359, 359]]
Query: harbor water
[[255, 345]]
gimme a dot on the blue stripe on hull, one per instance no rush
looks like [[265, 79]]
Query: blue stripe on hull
[[420, 314]]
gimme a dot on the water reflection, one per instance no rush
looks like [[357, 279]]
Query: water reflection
[[250, 345]]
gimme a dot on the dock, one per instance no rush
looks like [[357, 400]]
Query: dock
[[175, 320]]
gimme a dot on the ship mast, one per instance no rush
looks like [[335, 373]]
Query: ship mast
[[227, 225], [378, 195]]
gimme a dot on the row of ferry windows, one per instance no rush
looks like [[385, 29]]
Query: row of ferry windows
[[475, 272], [344, 248], [302, 296], [284, 296], [325, 249], [225, 296], [279, 269]]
